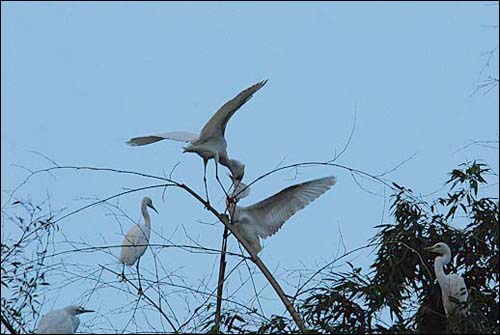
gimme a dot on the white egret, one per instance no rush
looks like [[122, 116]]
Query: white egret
[[61, 321], [210, 143], [136, 241], [452, 285], [265, 218]]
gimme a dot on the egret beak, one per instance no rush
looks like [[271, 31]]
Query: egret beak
[[83, 310], [431, 249], [153, 208]]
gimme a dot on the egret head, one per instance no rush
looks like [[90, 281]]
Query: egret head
[[75, 310], [440, 248], [240, 189], [191, 148], [147, 202], [237, 169]]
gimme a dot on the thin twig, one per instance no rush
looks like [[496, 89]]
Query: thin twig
[[151, 301], [220, 284], [222, 218], [8, 325]]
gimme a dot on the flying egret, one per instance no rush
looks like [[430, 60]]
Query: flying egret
[[210, 143], [136, 241], [452, 285], [265, 218], [61, 321]]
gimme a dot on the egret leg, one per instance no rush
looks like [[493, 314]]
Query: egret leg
[[205, 161], [139, 291], [122, 275], [217, 177]]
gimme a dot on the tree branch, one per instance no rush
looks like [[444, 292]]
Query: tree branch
[[8, 325], [265, 271], [220, 285], [151, 301], [222, 218]]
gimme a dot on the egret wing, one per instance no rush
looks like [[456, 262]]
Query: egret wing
[[135, 236], [179, 136], [75, 322], [271, 213], [458, 289], [55, 322], [216, 126], [134, 245]]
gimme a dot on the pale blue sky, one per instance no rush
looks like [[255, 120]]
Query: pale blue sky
[[79, 79]]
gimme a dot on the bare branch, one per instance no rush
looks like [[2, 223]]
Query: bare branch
[[8, 325], [151, 301], [220, 284]]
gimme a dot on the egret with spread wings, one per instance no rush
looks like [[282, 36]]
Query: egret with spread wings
[[265, 218], [210, 143]]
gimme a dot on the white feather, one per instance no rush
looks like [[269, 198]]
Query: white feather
[[210, 144], [452, 285], [61, 321], [265, 218], [136, 241], [216, 126], [179, 136]]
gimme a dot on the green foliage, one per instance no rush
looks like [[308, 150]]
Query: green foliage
[[24, 262], [399, 282], [401, 279], [336, 307], [277, 325]]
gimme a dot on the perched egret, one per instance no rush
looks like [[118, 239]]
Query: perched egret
[[136, 241], [265, 218], [452, 285], [61, 321], [210, 143]]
